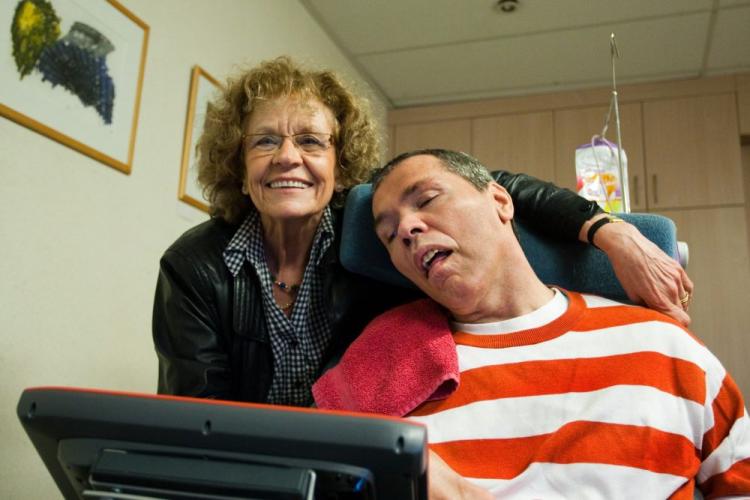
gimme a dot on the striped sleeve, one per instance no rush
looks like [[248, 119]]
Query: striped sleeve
[[725, 467]]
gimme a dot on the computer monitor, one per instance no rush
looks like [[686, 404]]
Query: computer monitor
[[111, 445]]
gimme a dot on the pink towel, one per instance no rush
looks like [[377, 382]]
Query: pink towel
[[403, 358]]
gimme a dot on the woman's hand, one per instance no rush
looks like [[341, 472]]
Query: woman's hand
[[648, 275], [446, 484]]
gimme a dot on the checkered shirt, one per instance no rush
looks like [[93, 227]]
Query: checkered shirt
[[299, 341]]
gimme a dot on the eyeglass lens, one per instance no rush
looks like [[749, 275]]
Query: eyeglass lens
[[309, 142]]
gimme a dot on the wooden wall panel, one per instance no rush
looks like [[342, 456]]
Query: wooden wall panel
[[452, 134], [517, 143], [692, 151], [720, 269]]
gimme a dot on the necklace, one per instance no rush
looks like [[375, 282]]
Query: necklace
[[285, 286], [285, 307], [289, 289]]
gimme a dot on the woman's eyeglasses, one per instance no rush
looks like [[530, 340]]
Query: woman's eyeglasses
[[309, 142]]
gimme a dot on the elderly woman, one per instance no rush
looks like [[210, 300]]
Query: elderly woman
[[253, 304]]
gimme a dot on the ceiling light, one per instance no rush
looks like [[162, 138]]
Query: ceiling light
[[506, 5]]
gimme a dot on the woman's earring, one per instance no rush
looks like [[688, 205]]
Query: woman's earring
[[244, 188]]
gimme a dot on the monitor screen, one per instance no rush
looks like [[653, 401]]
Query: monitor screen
[[101, 444]]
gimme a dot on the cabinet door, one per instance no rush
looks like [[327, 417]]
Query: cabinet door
[[454, 134], [720, 269], [743, 104], [574, 127], [517, 143], [693, 152]]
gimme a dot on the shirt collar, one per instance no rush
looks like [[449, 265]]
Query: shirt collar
[[240, 247]]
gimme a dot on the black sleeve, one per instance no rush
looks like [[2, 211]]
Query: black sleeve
[[550, 209], [188, 338]]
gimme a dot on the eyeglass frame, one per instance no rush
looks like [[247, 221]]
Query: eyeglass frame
[[261, 152]]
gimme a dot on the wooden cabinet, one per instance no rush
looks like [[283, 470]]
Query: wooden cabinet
[[746, 170], [720, 269], [574, 127], [743, 104], [743, 107], [692, 152], [517, 143], [681, 152], [454, 134]]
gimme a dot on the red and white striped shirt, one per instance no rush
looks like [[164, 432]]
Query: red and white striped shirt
[[605, 401]]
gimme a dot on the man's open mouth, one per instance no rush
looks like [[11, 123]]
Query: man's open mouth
[[431, 257]]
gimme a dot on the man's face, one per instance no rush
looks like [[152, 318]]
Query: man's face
[[441, 232]]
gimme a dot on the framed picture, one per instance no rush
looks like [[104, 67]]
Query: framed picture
[[203, 88], [73, 70]]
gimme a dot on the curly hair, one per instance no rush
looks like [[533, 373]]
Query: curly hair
[[221, 170]]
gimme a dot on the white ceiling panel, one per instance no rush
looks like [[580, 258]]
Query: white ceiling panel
[[430, 51], [368, 26], [732, 30], [540, 62]]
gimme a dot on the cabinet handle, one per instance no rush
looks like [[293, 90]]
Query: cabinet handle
[[654, 185], [635, 188]]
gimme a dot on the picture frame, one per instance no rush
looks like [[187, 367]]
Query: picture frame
[[72, 70], [203, 88]]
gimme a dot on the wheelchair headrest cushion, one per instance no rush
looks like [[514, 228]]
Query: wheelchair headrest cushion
[[572, 265]]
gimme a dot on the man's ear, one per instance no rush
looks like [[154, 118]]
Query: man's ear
[[503, 201]]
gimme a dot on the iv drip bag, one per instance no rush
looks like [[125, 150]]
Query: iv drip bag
[[598, 173]]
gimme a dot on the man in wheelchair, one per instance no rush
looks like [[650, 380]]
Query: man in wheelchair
[[528, 390]]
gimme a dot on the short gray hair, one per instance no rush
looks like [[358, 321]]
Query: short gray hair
[[460, 164]]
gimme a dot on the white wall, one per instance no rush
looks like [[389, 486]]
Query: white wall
[[80, 241]]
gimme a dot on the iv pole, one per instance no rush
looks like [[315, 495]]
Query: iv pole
[[614, 54]]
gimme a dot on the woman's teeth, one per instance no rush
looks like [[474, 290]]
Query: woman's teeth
[[287, 184]]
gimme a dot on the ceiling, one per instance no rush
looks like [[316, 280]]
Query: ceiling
[[435, 51]]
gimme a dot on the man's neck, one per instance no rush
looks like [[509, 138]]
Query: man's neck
[[539, 318], [514, 292]]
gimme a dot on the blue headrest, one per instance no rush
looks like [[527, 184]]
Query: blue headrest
[[571, 265]]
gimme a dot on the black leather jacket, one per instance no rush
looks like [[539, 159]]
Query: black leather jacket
[[209, 328]]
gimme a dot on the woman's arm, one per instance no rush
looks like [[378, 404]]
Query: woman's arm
[[647, 274], [193, 359], [547, 208]]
